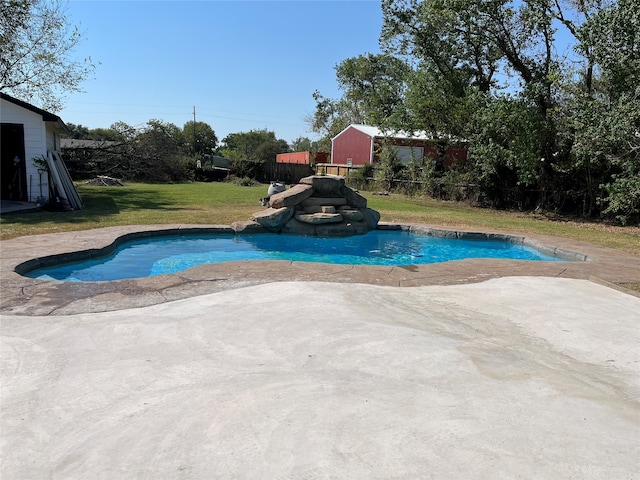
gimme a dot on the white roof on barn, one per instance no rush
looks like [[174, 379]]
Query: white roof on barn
[[375, 132]]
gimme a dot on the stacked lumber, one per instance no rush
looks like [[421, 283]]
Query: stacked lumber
[[63, 187]]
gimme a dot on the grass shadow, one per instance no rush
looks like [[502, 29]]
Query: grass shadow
[[98, 203]]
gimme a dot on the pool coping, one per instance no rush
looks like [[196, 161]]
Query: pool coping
[[25, 296]]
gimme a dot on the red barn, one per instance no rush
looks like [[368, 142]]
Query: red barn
[[360, 144], [306, 158]]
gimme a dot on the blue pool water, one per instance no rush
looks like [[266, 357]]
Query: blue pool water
[[174, 253]]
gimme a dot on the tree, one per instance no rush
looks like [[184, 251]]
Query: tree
[[390, 166], [78, 131], [331, 117], [153, 153], [460, 45], [111, 134], [37, 42], [249, 151], [504, 155], [304, 144], [254, 145], [376, 83], [610, 37], [606, 121], [201, 140], [111, 153], [156, 153]]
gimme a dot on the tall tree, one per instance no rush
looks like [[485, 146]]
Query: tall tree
[[159, 139], [199, 138], [605, 119], [37, 42], [78, 131], [106, 134], [332, 116], [249, 151], [253, 145], [445, 36], [377, 83], [303, 144], [461, 47], [151, 153]]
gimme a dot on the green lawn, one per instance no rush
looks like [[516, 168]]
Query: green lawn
[[143, 204], [395, 208], [224, 203]]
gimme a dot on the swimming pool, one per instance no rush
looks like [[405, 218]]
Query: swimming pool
[[166, 254]]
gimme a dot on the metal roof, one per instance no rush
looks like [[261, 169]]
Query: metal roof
[[378, 133], [375, 132]]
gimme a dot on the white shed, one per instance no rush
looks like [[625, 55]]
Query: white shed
[[30, 134]]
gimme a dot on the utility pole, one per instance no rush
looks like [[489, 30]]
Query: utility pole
[[194, 131]]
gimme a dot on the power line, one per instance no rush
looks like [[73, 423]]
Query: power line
[[240, 116]]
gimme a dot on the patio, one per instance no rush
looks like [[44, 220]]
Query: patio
[[8, 206]]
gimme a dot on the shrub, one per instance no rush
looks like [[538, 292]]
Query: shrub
[[242, 181], [247, 168], [360, 178]]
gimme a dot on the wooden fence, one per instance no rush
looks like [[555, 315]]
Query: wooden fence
[[286, 172], [335, 169]]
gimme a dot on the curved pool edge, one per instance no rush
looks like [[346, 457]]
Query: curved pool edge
[[22, 295], [87, 254], [552, 251]]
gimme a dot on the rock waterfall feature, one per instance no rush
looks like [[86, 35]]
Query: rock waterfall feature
[[320, 205]]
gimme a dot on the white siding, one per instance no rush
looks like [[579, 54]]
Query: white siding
[[38, 138], [33, 177]]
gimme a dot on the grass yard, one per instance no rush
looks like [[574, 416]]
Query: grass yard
[[143, 204], [397, 208], [224, 203]]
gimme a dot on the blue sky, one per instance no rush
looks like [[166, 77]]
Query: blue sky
[[244, 65]]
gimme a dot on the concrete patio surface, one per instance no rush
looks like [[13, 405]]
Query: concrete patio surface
[[252, 370], [9, 206], [516, 377]]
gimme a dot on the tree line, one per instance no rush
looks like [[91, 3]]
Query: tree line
[[547, 126], [162, 152]]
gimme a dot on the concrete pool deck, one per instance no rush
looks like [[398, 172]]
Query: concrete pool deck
[[472, 370], [27, 296]]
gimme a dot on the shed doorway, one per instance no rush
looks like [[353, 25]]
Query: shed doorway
[[13, 172]]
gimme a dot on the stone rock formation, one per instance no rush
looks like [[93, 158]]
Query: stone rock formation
[[320, 205]]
